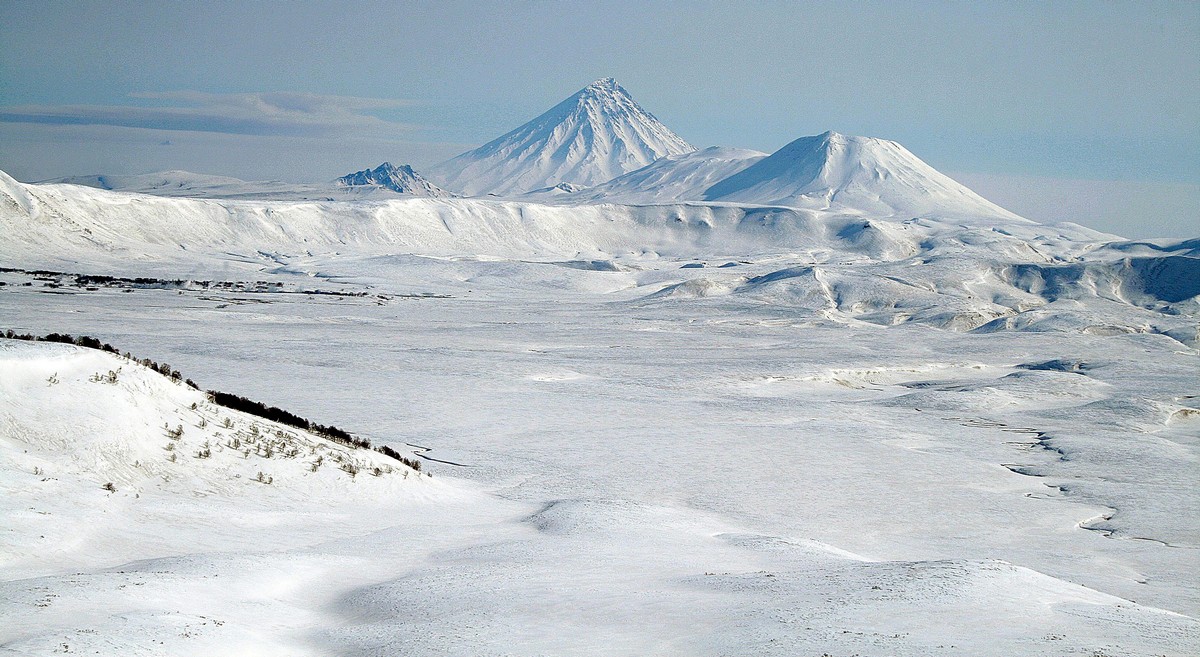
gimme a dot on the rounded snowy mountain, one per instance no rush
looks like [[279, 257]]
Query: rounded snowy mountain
[[838, 172]]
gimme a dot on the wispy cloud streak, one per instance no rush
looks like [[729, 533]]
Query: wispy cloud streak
[[291, 114]]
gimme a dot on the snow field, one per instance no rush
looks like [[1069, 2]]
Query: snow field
[[826, 401], [746, 475]]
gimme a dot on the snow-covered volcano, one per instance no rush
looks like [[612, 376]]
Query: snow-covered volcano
[[864, 174], [400, 179], [597, 134]]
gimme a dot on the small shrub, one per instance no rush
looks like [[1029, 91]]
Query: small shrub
[[110, 487]]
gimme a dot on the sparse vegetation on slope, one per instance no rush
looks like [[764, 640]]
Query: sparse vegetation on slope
[[225, 399], [274, 414], [92, 343]]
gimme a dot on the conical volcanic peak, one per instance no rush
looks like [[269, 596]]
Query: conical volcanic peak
[[401, 179], [832, 171], [595, 135]]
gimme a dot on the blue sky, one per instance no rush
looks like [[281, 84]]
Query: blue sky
[[1059, 110]]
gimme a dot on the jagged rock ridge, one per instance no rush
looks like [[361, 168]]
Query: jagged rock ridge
[[400, 179]]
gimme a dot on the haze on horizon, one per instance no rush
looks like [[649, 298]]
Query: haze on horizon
[[1082, 112]]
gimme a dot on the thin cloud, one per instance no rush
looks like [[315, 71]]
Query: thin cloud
[[289, 114]]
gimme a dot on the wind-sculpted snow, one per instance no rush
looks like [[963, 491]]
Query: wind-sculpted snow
[[1149, 281], [1189, 247]]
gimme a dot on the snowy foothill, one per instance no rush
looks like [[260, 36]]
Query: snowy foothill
[[666, 401]]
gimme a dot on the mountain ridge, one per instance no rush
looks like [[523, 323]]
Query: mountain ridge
[[400, 179]]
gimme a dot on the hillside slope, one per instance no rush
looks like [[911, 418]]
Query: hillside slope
[[674, 178]]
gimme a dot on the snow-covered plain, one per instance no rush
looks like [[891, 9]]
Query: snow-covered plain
[[740, 452], [823, 402]]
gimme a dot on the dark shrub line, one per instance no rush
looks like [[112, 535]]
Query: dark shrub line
[[92, 343], [274, 414], [82, 280], [235, 402], [98, 279], [93, 279], [388, 451]]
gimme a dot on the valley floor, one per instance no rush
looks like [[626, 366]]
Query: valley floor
[[622, 474]]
